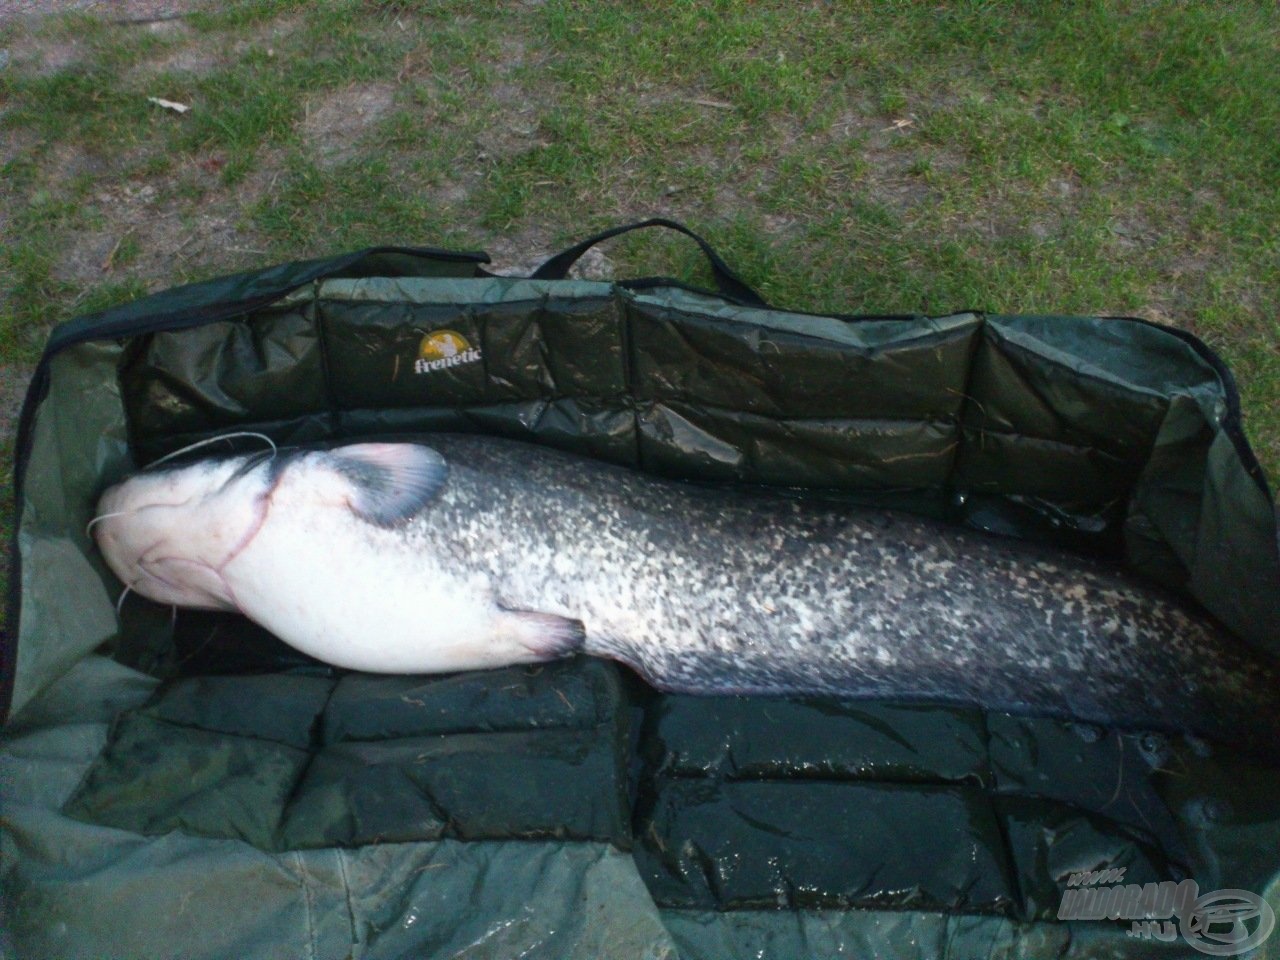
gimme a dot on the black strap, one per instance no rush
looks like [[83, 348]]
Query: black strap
[[730, 285]]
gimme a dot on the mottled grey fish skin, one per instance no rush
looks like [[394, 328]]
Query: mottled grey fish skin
[[751, 591]]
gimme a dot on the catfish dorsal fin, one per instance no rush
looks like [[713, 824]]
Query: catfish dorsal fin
[[390, 482]]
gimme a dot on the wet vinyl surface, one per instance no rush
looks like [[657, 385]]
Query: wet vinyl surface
[[726, 803]]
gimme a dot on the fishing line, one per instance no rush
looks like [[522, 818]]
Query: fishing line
[[204, 443], [105, 516], [88, 530]]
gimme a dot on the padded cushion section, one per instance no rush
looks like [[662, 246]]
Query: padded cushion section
[[818, 805], [869, 453], [741, 738], [368, 707], [801, 366], [733, 803], [157, 776], [241, 369], [815, 845], [289, 762]]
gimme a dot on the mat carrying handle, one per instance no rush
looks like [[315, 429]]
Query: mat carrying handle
[[729, 284]]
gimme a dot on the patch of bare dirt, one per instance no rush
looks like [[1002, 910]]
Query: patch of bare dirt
[[1157, 312], [189, 55], [514, 132], [266, 36], [890, 157], [125, 11], [519, 254], [512, 53], [15, 142], [64, 162], [42, 56], [195, 60], [511, 114], [333, 124], [148, 233], [1132, 230], [779, 226], [451, 194], [259, 181], [859, 155], [53, 52], [515, 124], [656, 96]]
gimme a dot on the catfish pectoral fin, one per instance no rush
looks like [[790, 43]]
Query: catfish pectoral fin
[[390, 483], [546, 635]]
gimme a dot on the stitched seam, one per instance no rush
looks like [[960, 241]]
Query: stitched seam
[[309, 902], [346, 890]]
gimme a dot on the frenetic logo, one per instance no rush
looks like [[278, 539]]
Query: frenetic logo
[[442, 349]]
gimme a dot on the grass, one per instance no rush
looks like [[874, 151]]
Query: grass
[[853, 157]]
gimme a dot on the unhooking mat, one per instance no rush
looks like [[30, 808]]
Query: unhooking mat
[[180, 786]]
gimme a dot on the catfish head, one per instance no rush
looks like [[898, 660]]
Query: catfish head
[[169, 534]]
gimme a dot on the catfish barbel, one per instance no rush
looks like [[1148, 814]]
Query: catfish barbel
[[466, 552]]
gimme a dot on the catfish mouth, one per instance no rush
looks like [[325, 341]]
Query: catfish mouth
[[159, 588], [158, 571], [168, 533], [198, 579]]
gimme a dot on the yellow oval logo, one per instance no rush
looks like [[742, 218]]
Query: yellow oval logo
[[442, 349], [442, 344]]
